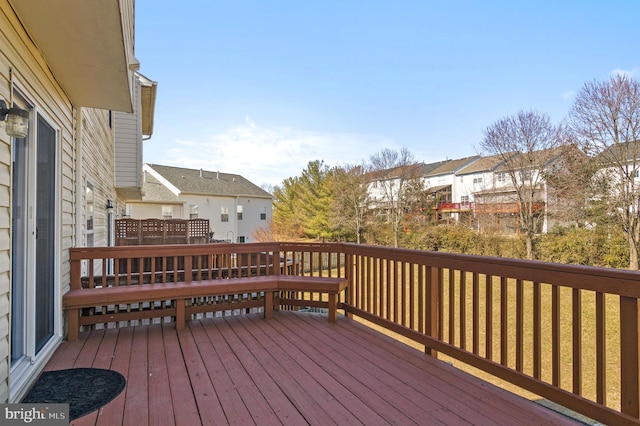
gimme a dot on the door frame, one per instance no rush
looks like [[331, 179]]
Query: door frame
[[24, 371]]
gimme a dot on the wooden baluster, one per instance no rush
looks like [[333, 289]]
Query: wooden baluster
[[601, 349], [576, 304], [629, 353]]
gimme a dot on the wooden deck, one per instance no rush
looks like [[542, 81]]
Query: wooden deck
[[292, 369]]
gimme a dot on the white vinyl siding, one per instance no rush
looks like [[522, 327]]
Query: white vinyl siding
[[128, 144], [83, 138]]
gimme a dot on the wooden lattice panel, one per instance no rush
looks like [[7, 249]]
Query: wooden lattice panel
[[198, 231], [127, 232], [152, 231], [176, 231]]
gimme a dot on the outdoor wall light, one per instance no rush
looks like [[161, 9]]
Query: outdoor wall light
[[17, 120]]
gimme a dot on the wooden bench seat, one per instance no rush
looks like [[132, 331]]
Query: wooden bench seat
[[77, 299]]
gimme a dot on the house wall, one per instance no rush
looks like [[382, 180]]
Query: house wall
[[472, 183], [252, 208], [85, 151], [22, 67], [128, 132], [153, 210], [98, 170], [210, 207]]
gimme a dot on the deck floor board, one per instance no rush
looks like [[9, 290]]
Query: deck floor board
[[295, 368]]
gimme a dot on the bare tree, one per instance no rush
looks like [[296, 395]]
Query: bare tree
[[527, 144], [392, 171], [605, 118], [350, 204]]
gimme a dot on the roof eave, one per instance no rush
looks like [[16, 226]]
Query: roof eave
[[88, 46]]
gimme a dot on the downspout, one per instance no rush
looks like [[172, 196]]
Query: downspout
[[235, 217], [77, 112]]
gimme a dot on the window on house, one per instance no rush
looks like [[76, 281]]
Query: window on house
[[193, 211], [239, 211], [263, 213], [525, 174], [167, 212], [240, 239], [501, 177], [224, 214], [90, 200], [636, 173], [477, 180], [464, 199]]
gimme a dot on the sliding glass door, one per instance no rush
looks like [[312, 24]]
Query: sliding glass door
[[33, 261]]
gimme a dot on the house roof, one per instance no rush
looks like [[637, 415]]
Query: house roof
[[451, 166], [428, 168], [439, 188], [625, 152], [154, 191], [483, 164], [411, 170], [202, 182], [535, 159]]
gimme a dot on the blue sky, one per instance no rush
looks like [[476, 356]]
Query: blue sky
[[260, 88]]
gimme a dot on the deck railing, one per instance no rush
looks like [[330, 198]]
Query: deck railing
[[567, 333]]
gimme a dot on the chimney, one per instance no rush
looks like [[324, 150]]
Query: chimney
[[218, 174], [200, 172]]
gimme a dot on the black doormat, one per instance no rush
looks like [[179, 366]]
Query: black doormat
[[84, 389]]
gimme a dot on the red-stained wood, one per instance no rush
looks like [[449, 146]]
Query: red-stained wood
[[231, 402], [382, 277], [160, 407], [601, 349], [555, 335], [184, 405], [111, 413], [294, 369], [136, 404]]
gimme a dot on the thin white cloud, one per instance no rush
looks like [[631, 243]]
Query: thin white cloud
[[269, 155], [567, 95], [628, 73]]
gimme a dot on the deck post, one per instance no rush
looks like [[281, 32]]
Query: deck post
[[268, 304], [180, 314], [333, 306], [73, 324], [76, 273], [629, 369]]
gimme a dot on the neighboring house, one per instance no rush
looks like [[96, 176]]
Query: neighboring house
[[497, 204], [442, 184], [234, 206], [473, 181], [385, 186], [59, 184]]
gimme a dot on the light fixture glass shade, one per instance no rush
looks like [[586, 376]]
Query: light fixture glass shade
[[17, 123]]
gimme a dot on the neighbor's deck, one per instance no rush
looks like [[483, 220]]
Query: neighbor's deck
[[292, 369]]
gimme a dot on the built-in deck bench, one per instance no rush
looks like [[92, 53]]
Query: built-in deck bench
[[180, 292]]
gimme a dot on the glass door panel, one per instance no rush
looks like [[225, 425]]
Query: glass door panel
[[45, 233]]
